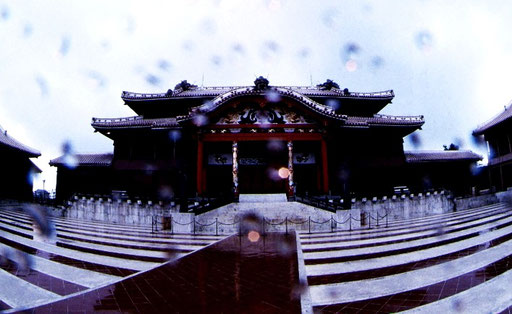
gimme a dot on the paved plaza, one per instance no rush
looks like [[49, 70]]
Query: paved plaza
[[450, 263]]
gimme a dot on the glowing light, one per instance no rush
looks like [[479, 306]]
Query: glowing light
[[253, 236], [351, 65], [283, 172]]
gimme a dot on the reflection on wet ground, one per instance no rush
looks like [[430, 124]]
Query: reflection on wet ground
[[236, 274]]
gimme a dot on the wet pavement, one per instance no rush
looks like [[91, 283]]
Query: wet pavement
[[234, 275]]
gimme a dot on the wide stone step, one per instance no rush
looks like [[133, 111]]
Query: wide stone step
[[262, 198]]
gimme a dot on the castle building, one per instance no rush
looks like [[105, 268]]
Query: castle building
[[212, 141], [16, 167]]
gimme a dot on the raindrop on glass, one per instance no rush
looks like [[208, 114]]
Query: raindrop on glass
[[329, 17], [304, 52], [333, 103], [238, 48], [208, 26], [5, 13], [174, 135], [200, 120], [164, 65], [65, 44], [458, 305], [377, 62], [27, 30], [415, 140], [272, 96], [350, 55], [97, 79], [68, 159], [216, 60], [43, 85], [153, 79], [424, 41]]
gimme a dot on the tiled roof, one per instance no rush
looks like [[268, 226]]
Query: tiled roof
[[311, 91], [134, 122], [385, 120], [7, 140], [440, 156], [350, 121], [99, 160], [505, 115]]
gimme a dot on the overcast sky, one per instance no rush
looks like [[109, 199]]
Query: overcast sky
[[64, 62]]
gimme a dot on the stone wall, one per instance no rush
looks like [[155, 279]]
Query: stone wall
[[278, 216]]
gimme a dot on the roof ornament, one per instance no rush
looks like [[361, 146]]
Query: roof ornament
[[183, 86], [169, 93], [261, 83], [346, 92], [328, 85]]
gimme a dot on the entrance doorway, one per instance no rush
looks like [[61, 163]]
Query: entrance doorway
[[259, 164]]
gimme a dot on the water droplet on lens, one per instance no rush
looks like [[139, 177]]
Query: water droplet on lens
[[377, 62], [164, 65], [65, 44], [253, 236], [329, 17], [216, 60], [272, 96], [200, 120], [96, 79], [351, 65], [208, 26], [304, 53], [424, 41], [415, 140], [5, 13], [43, 85], [283, 172], [333, 103], [68, 159], [458, 305], [275, 145], [152, 79], [350, 55], [238, 48], [27, 30]]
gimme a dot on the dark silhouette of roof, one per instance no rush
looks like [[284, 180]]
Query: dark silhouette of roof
[[98, 160], [12, 143], [440, 156], [500, 118]]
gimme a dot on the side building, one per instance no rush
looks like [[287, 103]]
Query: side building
[[211, 141], [16, 167], [497, 133]]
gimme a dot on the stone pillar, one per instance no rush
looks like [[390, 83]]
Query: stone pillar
[[199, 177], [291, 183], [235, 169], [325, 171]]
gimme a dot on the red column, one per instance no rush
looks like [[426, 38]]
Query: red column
[[325, 169], [199, 177]]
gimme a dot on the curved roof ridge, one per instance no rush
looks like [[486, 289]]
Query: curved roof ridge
[[286, 92], [440, 155], [218, 90], [17, 145], [497, 119]]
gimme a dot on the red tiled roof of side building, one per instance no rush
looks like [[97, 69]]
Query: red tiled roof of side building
[[440, 156], [9, 141], [98, 160], [500, 118]]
